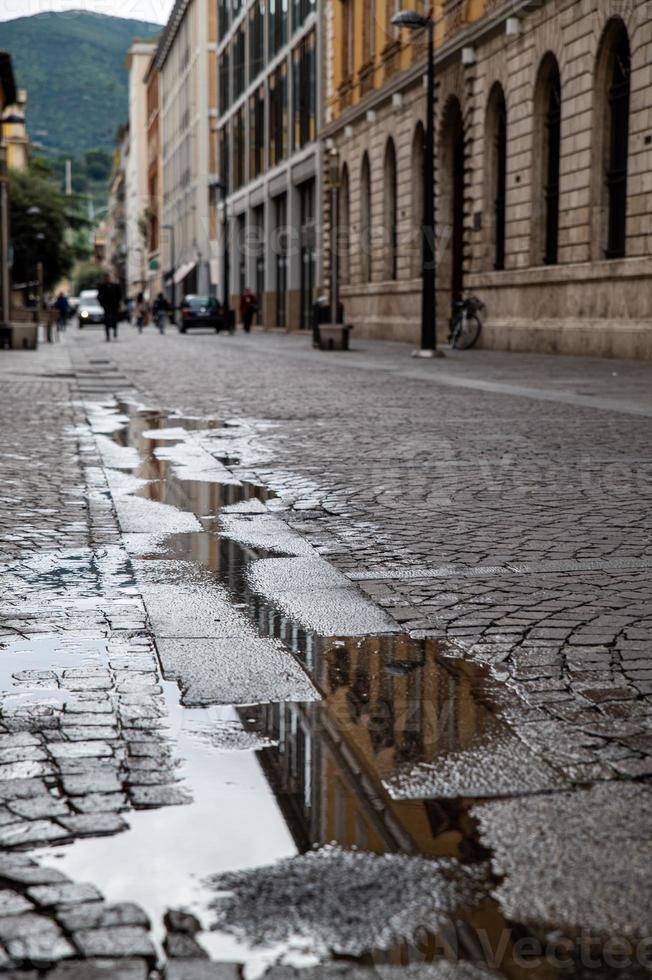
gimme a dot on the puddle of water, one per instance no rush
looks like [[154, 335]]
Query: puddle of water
[[163, 859], [318, 773]]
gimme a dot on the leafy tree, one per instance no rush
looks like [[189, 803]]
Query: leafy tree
[[88, 276], [43, 223]]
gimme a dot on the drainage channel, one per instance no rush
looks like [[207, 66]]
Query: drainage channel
[[384, 762]]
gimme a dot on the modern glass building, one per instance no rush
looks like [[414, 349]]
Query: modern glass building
[[268, 155]]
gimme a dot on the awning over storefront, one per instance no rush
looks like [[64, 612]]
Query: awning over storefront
[[183, 271]]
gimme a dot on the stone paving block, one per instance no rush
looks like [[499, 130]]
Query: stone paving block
[[115, 942], [94, 824], [81, 749], [102, 706], [94, 915], [13, 903], [85, 720], [101, 969], [234, 671], [25, 770], [179, 945], [27, 925], [201, 970], [100, 802], [32, 753], [40, 807], [67, 893], [32, 833], [81, 784], [88, 733], [156, 796], [21, 870], [41, 948]]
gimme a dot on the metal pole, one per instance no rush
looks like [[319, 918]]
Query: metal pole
[[4, 240], [428, 298], [227, 271], [335, 298]]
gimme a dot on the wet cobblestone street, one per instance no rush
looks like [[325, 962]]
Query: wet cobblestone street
[[323, 665]]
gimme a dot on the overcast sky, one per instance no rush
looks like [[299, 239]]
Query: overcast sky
[[152, 10]]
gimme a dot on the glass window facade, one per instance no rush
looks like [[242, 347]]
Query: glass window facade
[[304, 91], [301, 10], [223, 16], [277, 23], [224, 81], [256, 39], [257, 133], [239, 63], [224, 147], [239, 155], [278, 115]]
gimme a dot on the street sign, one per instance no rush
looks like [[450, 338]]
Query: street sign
[[154, 265]]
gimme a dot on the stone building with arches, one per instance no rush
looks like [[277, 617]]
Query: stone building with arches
[[543, 188]]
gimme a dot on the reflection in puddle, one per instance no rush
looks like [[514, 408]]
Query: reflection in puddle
[[274, 780], [234, 822]]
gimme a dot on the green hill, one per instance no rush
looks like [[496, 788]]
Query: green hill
[[72, 65]]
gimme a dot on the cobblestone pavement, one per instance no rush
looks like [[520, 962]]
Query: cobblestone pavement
[[487, 516], [517, 528]]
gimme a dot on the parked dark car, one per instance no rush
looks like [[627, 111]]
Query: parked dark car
[[201, 311]]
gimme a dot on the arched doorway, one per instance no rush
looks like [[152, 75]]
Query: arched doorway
[[611, 142], [546, 163], [450, 218], [496, 174], [418, 161], [391, 212], [365, 220]]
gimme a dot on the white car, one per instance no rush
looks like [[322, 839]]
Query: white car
[[89, 310]]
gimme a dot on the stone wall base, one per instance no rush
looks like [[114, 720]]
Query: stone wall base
[[628, 339]]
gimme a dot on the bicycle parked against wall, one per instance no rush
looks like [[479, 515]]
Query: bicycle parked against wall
[[466, 324]]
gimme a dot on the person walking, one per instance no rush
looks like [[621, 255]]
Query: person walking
[[248, 308], [160, 310], [63, 308], [109, 296], [142, 312]]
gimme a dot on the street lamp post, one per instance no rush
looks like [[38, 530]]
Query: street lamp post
[[335, 180], [414, 21], [223, 188], [170, 228], [4, 238]]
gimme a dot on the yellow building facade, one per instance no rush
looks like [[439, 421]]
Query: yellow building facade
[[543, 164], [15, 132]]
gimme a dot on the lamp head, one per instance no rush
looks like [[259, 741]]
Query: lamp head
[[410, 19]]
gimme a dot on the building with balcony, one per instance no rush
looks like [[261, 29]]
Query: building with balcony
[[186, 63], [137, 199], [7, 98], [154, 268], [269, 157], [543, 169]]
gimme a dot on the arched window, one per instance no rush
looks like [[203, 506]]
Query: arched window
[[611, 126], [365, 220], [546, 162], [391, 212], [344, 249], [452, 177], [496, 173], [418, 161]]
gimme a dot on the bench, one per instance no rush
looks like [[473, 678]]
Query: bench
[[334, 336]]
